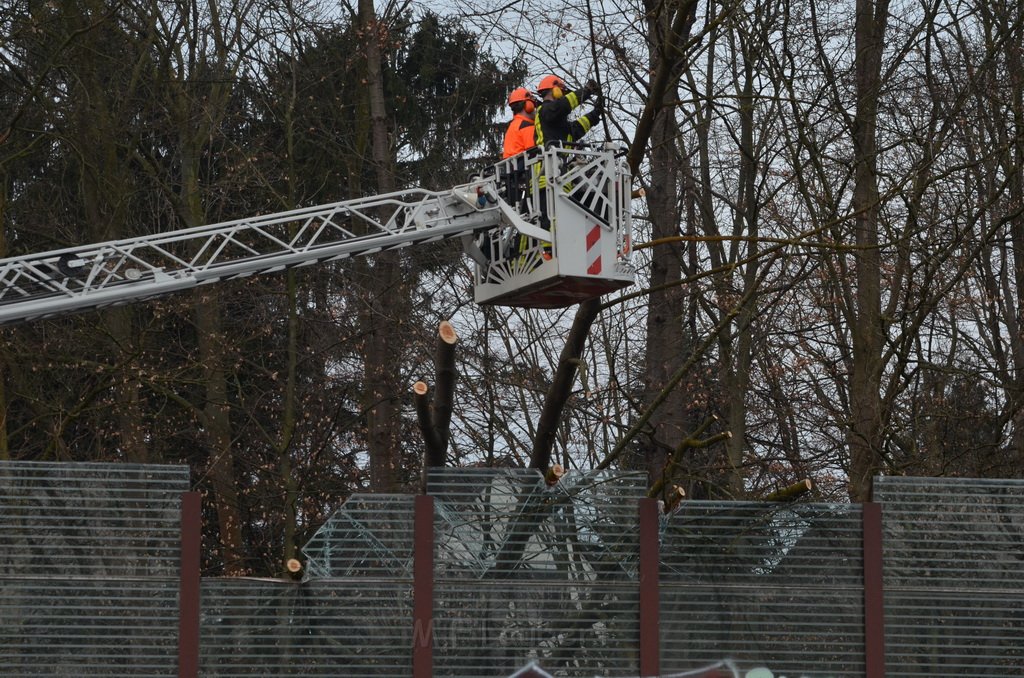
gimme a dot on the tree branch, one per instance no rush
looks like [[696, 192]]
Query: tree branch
[[791, 492], [445, 374], [561, 384], [435, 420]]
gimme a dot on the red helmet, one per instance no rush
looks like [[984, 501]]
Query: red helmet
[[519, 94], [550, 82]]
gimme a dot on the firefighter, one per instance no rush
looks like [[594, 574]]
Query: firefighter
[[520, 135], [552, 122], [553, 125]]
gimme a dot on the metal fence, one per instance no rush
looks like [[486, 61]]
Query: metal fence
[[498, 569], [954, 576], [90, 556], [526, 571], [773, 585], [350, 628]]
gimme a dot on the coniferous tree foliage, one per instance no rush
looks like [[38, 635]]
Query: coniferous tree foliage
[[113, 128]]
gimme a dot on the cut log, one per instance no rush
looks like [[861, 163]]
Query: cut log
[[447, 333], [444, 393], [673, 497], [425, 418], [435, 418], [554, 474], [791, 492]]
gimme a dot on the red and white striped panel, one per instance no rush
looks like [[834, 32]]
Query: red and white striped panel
[[594, 250]]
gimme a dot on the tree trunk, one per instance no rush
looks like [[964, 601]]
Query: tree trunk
[[561, 384], [668, 345], [289, 413], [289, 420], [386, 303], [867, 331], [435, 419], [737, 370], [106, 186], [215, 412], [1015, 82], [217, 427], [127, 390], [5, 451]]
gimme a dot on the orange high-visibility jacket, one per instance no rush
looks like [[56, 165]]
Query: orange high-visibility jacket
[[519, 136]]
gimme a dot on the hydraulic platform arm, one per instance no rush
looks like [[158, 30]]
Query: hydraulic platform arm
[[124, 271], [587, 254]]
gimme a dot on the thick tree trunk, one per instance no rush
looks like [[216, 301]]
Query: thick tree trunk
[[867, 416], [5, 452], [668, 344], [435, 419], [386, 301], [446, 376], [217, 427]]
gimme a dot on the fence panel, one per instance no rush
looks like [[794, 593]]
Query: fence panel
[[953, 559], [355, 627], [527, 571], [764, 584], [90, 554]]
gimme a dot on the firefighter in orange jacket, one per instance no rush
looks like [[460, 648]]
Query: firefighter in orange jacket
[[520, 134]]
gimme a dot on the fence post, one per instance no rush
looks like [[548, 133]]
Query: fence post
[[423, 587], [874, 595], [189, 585], [650, 596]]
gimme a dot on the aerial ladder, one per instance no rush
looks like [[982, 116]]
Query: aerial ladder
[[531, 248]]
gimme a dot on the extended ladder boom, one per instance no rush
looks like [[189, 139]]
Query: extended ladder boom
[[542, 248], [123, 271]]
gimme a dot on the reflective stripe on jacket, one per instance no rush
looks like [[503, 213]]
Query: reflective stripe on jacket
[[552, 124]]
